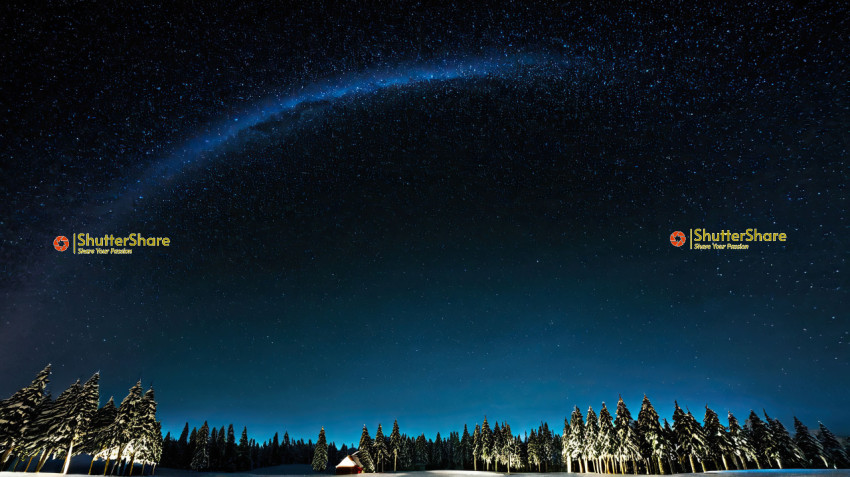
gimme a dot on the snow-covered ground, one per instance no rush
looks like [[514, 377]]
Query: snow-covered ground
[[284, 470]]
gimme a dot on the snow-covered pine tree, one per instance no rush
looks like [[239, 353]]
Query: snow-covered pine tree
[[486, 444], [810, 445], [456, 450], [689, 437], [606, 438], [437, 451], [565, 445], [77, 418], [717, 443], [510, 450], [95, 440], [51, 423], [498, 443], [627, 447], [534, 450], [320, 455], [575, 442], [590, 443], [653, 444], [16, 412], [740, 443], [476, 446], [35, 437], [548, 445], [147, 436], [201, 457], [673, 450], [406, 456], [121, 430], [761, 439], [395, 444], [837, 455], [364, 451], [380, 447], [420, 451], [788, 452]]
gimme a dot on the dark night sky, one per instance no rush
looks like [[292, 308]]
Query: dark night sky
[[428, 214]]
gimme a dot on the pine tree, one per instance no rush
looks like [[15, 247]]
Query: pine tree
[[717, 442], [465, 447], [837, 455], [626, 440], [35, 437], [811, 447], [510, 449], [486, 444], [606, 439], [395, 444], [96, 439], [476, 446], [565, 445], [78, 417], [590, 444], [364, 451], [146, 430], [574, 448], [421, 451], [689, 436], [761, 438], [534, 450], [498, 443], [456, 450], [16, 412], [243, 452], [654, 445], [201, 457], [740, 443], [380, 447], [320, 455], [788, 452], [121, 430]]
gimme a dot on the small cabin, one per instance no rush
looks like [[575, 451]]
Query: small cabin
[[350, 465]]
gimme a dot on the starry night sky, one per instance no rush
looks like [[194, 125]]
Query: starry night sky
[[428, 213]]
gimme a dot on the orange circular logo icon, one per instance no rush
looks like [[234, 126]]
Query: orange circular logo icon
[[677, 238], [61, 243]]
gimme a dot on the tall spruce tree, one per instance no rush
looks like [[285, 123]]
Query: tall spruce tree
[[606, 439], [395, 444], [717, 443], [787, 451], [740, 443], [761, 439], [565, 445], [653, 445], [380, 447], [837, 454], [121, 430], [486, 444], [201, 457], [590, 445], [364, 451], [689, 436], [320, 455], [16, 412], [627, 447], [476, 446], [575, 442], [811, 447], [465, 447], [421, 451]]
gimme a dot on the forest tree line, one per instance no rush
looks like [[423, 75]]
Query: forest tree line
[[34, 428], [606, 444]]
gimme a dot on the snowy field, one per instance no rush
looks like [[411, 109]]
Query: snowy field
[[285, 470]]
